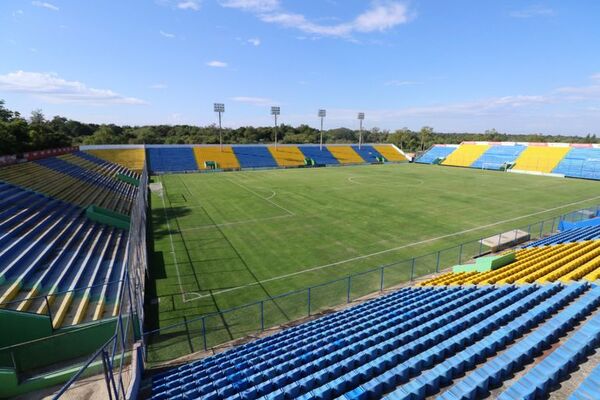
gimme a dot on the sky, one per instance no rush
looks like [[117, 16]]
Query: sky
[[458, 66]]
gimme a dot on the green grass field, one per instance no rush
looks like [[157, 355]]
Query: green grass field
[[227, 239]]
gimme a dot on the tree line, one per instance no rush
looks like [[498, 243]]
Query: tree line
[[19, 134]]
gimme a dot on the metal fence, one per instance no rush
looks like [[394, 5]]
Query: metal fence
[[202, 333], [109, 369]]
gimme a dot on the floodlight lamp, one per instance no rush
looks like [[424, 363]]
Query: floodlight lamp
[[275, 110], [322, 113], [361, 115], [219, 107]]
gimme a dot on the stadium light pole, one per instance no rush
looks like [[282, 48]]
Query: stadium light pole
[[220, 108], [275, 111], [361, 117], [322, 114]]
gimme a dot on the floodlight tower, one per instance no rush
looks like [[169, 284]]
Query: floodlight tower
[[361, 117], [275, 111], [219, 109], [322, 114]]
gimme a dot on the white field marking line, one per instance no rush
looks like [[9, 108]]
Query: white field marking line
[[200, 227], [396, 248], [264, 198], [351, 179], [273, 194], [183, 292]]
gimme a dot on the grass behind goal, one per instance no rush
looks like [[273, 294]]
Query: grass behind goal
[[222, 240]]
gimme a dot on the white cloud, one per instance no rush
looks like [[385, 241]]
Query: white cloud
[[380, 17], [402, 83], [43, 4], [17, 13], [193, 5], [167, 35], [159, 86], [254, 41], [252, 5], [533, 11], [217, 64], [52, 88], [255, 101]]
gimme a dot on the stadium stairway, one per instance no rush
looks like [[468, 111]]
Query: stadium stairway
[[345, 155], [254, 157], [498, 156], [434, 153], [224, 158], [540, 158], [287, 156], [320, 156], [390, 153], [171, 159], [133, 159], [367, 153], [466, 154], [49, 246], [406, 345], [589, 388], [580, 163]]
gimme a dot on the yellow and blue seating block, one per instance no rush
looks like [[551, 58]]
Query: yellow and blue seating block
[[287, 156], [466, 154], [132, 159], [541, 158], [224, 157], [345, 155]]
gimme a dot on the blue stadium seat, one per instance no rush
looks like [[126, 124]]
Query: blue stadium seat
[[171, 159], [589, 388], [254, 157], [321, 156], [568, 236], [434, 153], [580, 163], [367, 153], [497, 156]]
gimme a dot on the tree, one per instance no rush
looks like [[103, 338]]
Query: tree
[[425, 134]]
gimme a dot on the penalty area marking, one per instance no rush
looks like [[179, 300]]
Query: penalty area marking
[[393, 249]]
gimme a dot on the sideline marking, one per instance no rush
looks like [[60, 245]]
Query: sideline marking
[[394, 249], [183, 293]]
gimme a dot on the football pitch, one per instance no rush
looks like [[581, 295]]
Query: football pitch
[[222, 240]]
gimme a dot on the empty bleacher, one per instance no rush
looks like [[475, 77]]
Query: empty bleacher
[[56, 177], [569, 236], [171, 159], [540, 158], [132, 159], [390, 153], [435, 153], [589, 388], [223, 157], [287, 156], [466, 154], [254, 157], [410, 344], [345, 155], [367, 153], [580, 163], [320, 156], [49, 247], [498, 156]]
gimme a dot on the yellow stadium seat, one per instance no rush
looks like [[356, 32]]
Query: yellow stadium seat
[[465, 155], [287, 156], [540, 158], [389, 152], [133, 159], [225, 159], [345, 154]]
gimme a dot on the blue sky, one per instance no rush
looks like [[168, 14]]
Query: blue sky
[[516, 66]]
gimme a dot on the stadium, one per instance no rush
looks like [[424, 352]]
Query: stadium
[[301, 271], [289, 200]]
